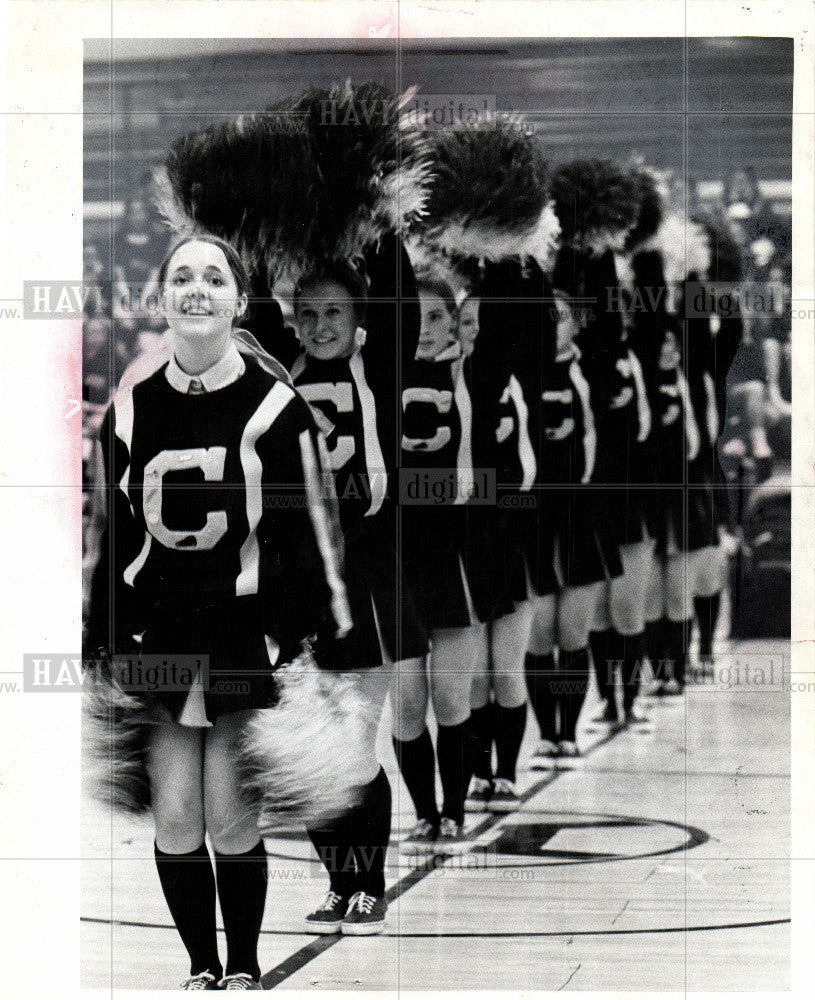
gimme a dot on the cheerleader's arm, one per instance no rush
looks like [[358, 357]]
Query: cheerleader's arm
[[691, 427], [711, 410], [300, 584], [112, 619], [643, 408], [589, 428]]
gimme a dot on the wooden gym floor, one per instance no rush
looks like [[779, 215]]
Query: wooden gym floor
[[661, 864]]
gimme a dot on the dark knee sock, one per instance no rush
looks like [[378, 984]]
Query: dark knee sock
[[242, 881], [573, 671], [654, 643], [604, 670], [454, 768], [509, 734], [707, 614], [372, 834], [189, 888], [417, 763], [676, 643], [539, 673], [631, 669], [334, 846], [481, 735]]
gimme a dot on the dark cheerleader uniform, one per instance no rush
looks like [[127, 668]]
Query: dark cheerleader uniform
[[451, 551], [616, 398], [710, 348], [583, 550], [514, 349], [217, 533], [360, 396]]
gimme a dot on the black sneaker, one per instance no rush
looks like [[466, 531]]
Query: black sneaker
[[239, 982], [452, 838], [504, 798], [421, 839], [327, 918], [569, 756], [478, 796], [202, 981], [365, 915]]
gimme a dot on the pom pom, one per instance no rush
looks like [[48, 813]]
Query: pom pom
[[684, 246], [650, 212], [594, 197], [488, 190], [305, 758], [726, 260], [115, 729], [317, 176]]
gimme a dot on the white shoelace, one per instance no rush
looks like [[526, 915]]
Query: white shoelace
[[504, 785], [362, 902], [422, 828], [330, 901], [239, 981], [199, 982]]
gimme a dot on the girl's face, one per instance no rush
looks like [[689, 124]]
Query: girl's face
[[567, 328], [201, 296], [438, 328], [468, 324], [326, 320]]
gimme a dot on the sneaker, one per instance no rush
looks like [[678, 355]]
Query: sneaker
[[327, 918], [239, 981], [366, 915], [203, 981], [478, 796], [608, 715], [637, 720], [543, 759], [673, 688], [421, 839], [451, 838], [504, 798], [569, 755]]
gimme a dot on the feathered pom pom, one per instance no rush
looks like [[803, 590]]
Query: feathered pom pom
[[305, 757], [372, 157], [251, 182], [488, 191], [684, 246], [316, 176], [650, 212], [594, 196], [115, 729], [726, 262]]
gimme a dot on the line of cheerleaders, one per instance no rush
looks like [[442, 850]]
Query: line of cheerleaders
[[474, 327], [564, 379]]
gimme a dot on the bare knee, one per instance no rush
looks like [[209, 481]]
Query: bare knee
[[179, 823], [451, 699]]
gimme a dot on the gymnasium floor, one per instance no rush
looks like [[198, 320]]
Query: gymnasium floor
[[662, 864]]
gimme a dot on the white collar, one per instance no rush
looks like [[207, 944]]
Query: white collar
[[223, 373]]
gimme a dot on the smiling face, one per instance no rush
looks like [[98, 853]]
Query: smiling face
[[201, 295], [468, 324], [326, 320], [438, 326]]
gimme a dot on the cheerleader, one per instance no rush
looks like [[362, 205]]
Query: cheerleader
[[581, 559], [691, 565], [349, 370], [487, 208], [200, 556], [597, 204], [453, 569], [712, 344]]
